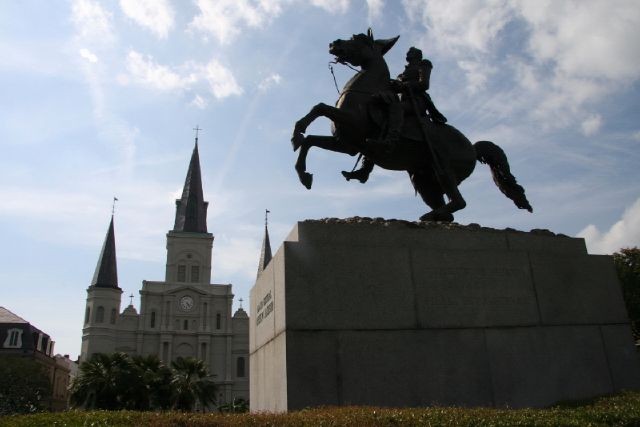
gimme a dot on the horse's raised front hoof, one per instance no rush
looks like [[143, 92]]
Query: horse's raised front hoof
[[306, 179], [434, 216], [296, 140]]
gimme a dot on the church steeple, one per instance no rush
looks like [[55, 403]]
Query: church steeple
[[106, 274], [265, 252], [191, 209]]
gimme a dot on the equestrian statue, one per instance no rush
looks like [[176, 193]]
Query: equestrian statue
[[395, 125]]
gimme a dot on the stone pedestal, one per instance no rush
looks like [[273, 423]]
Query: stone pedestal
[[392, 313]]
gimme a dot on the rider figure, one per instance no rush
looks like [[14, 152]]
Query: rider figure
[[414, 81]]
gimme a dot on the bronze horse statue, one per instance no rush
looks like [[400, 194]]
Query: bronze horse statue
[[437, 156]]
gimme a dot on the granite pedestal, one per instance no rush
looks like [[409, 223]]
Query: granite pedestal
[[392, 313]]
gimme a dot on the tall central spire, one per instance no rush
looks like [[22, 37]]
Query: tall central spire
[[191, 209]]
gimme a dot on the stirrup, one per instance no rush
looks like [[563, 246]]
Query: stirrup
[[361, 175]]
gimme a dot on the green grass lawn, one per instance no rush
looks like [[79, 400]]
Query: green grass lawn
[[620, 410]]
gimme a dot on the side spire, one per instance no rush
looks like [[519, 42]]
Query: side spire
[[106, 274], [191, 209], [265, 252]]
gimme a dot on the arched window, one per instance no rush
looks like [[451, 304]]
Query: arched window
[[114, 313], [87, 315], [240, 367], [195, 273], [185, 325], [182, 273], [153, 319], [100, 314], [218, 321]]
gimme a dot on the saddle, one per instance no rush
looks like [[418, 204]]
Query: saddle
[[378, 112]]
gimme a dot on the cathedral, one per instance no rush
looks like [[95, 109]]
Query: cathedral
[[184, 315]]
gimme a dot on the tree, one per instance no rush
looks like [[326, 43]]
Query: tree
[[104, 382], [24, 385], [192, 383], [155, 378], [627, 262]]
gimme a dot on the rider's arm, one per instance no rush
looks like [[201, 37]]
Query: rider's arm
[[424, 74]]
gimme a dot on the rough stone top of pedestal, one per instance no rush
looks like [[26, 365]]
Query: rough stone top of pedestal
[[365, 230]]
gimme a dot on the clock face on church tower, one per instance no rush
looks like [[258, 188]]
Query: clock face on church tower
[[186, 303]]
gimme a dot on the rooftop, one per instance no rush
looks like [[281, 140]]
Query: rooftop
[[7, 316]]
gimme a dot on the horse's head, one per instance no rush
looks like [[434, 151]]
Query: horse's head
[[360, 48]]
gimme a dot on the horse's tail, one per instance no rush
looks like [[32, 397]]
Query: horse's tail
[[489, 153]]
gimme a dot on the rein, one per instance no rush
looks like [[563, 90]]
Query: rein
[[335, 82]]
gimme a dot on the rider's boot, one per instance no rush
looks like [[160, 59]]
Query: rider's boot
[[361, 174], [435, 115]]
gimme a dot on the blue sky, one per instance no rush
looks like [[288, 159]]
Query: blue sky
[[99, 99]]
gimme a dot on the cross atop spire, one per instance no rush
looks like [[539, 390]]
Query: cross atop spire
[[197, 129], [240, 301], [113, 206], [131, 299]]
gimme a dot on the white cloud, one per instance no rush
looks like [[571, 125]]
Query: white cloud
[[224, 19], [624, 233], [240, 256], [334, 6], [93, 23], [154, 15], [375, 9], [477, 74], [591, 125], [570, 54], [144, 70], [458, 25], [199, 102], [219, 80], [88, 55], [636, 136], [586, 38], [270, 81]]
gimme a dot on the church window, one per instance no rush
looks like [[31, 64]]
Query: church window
[[14, 338], [185, 326], [240, 367], [100, 314], [87, 315], [114, 313], [195, 273], [153, 319], [218, 321], [182, 273], [203, 351]]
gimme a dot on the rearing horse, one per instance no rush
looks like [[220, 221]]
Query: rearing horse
[[437, 157]]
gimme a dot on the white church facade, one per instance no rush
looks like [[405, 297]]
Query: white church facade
[[183, 316]]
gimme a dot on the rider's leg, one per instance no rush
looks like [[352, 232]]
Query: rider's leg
[[394, 127], [361, 174], [436, 115]]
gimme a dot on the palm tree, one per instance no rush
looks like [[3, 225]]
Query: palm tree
[[103, 381], [154, 379], [192, 384]]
